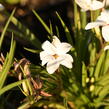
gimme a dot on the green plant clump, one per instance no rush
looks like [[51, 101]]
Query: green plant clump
[[71, 74]]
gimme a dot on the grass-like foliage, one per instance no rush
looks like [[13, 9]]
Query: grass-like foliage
[[79, 81]]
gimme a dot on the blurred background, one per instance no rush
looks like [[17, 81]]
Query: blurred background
[[46, 10]]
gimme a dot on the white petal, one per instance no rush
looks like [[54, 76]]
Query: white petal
[[83, 4], [52, 66], [43, 54], [106, 47], [94, 24], [105, 33], [84, 10], [63, 48], [104, 16], [56, 42], [68, 60], [96, 5], [48, 47], [44, 62], [45, 57], [88, 1]]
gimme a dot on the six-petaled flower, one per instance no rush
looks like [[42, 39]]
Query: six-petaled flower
[[55, 54]]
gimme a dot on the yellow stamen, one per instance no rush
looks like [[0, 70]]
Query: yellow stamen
[[55, 56]]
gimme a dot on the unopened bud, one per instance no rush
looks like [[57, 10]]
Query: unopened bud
[[92, 80], [91, 88], [87, 80]]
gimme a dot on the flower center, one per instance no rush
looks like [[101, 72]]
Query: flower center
[[55, 56]]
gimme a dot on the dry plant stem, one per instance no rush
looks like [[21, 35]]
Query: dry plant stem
[[71, 104], [22, 68]]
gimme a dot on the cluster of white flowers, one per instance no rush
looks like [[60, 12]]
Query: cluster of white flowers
[[54, 53], [102, 20]]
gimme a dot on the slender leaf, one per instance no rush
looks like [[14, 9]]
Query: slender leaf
[[42, 22], [32, 50], [68, 35], [27, 34], [83, 19], [5, 28], [84, 75], [99, 65], [7, 64], [10, 86]]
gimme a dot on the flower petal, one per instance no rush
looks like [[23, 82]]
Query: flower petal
[[94, 24], [63, 48], [105, 33], [83, 4], [48, 47], [68, 60], [45, 57], [56, 42], [52, 66], [96, 5], [106, 48], [104, 17], [43, 54]]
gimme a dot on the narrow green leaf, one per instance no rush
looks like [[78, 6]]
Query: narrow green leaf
[[83, 19], [32, 50], [5, 28], [102, 82], [104, 92], [68, 35], [51, 29], [42, 22], [84, 74], [57, 31], [26, 105], [92, 49], [10, 86], [99, 65], [101, 103], [105, 66], [85, 98], [27, 34], [75, 15], [8, 63]]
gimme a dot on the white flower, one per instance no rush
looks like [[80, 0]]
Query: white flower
[[90, 4], [1, 7], [102, 20], [54, 55]]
